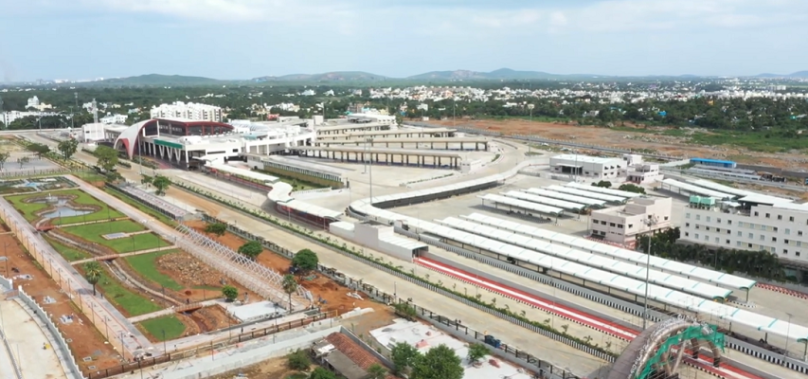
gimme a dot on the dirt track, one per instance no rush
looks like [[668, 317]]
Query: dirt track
[[625, 139]]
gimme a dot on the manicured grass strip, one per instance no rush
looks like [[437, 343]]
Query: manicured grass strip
[[132, 303], [172, 326], [28, 210], [69, 253], [94, 233], [146, 265], [137, 204]]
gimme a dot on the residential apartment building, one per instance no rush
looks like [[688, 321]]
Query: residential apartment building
[[622, 225], [781, 229], [587, 166], [187, 111]]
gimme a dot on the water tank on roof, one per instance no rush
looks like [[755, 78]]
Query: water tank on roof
[[695, 199], [707, 201]]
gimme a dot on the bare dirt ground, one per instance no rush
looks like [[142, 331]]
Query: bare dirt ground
[[201, 281], [86, 340], [624, 139], [270, 369], [335, 296]]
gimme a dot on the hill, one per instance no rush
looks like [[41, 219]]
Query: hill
[[799, 74], [336, 76], [160, 80]]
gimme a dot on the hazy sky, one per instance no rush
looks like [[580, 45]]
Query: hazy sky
[[239, 39]]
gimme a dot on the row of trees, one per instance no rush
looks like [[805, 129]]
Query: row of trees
[[708, 112], [762, 264]]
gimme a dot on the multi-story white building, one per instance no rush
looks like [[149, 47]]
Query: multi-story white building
[[622, 225], [188, 111], [33, 102], [114, 119], [779, 228], [587, 166]]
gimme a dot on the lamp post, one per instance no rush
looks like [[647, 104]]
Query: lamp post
[[788, 331], [649, 222], [165, 349], [370, 170]]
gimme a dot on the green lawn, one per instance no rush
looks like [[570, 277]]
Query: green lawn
[[137, 204], [28, 210], [94, 232], [171, 325], [68, 252], [146, 265], [132, 303]]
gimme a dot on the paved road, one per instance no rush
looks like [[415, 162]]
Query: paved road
[[560, 354]]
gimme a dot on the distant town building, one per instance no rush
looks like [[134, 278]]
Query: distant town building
[[114, 119], [33, 102], [187, 111]]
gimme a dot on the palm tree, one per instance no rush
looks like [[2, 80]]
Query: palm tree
[[289, 286], [93, 272]]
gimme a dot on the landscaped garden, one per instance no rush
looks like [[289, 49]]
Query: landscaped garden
[[132, 303], [33, 206], [70, 254], [134, 241], [164, 328], [146, 266]]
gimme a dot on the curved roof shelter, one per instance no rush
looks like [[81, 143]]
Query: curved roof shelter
[[170, 127]]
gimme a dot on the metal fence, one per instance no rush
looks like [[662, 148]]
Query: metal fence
[[152, 201], [259, 278], [212, 347]]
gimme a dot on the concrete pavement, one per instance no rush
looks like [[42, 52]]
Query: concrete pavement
[[116, 256], [29, 344]]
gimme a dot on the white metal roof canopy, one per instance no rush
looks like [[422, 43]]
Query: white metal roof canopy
[[589, 259], [679, 268]]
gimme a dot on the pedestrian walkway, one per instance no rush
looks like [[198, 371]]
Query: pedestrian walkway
[[172, 310], [116, 256], [91, 222]]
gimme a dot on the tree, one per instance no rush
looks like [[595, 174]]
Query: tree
[[602, 184], [39, 149], [403, 356], [477, 351], [68, 147], [321, 373], [440, 362], [306, 260], [376, 371], [147, 179], [628, 187], [107, 158], [406, 310], [161, 183], [22, 161], [230, 293], [217, 228], [298, 360], [93, 272], [251, 249], [3, 159], [289, 286]]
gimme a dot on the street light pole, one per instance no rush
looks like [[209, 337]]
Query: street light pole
[[788, 331], [370, 171], [650, 222]]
